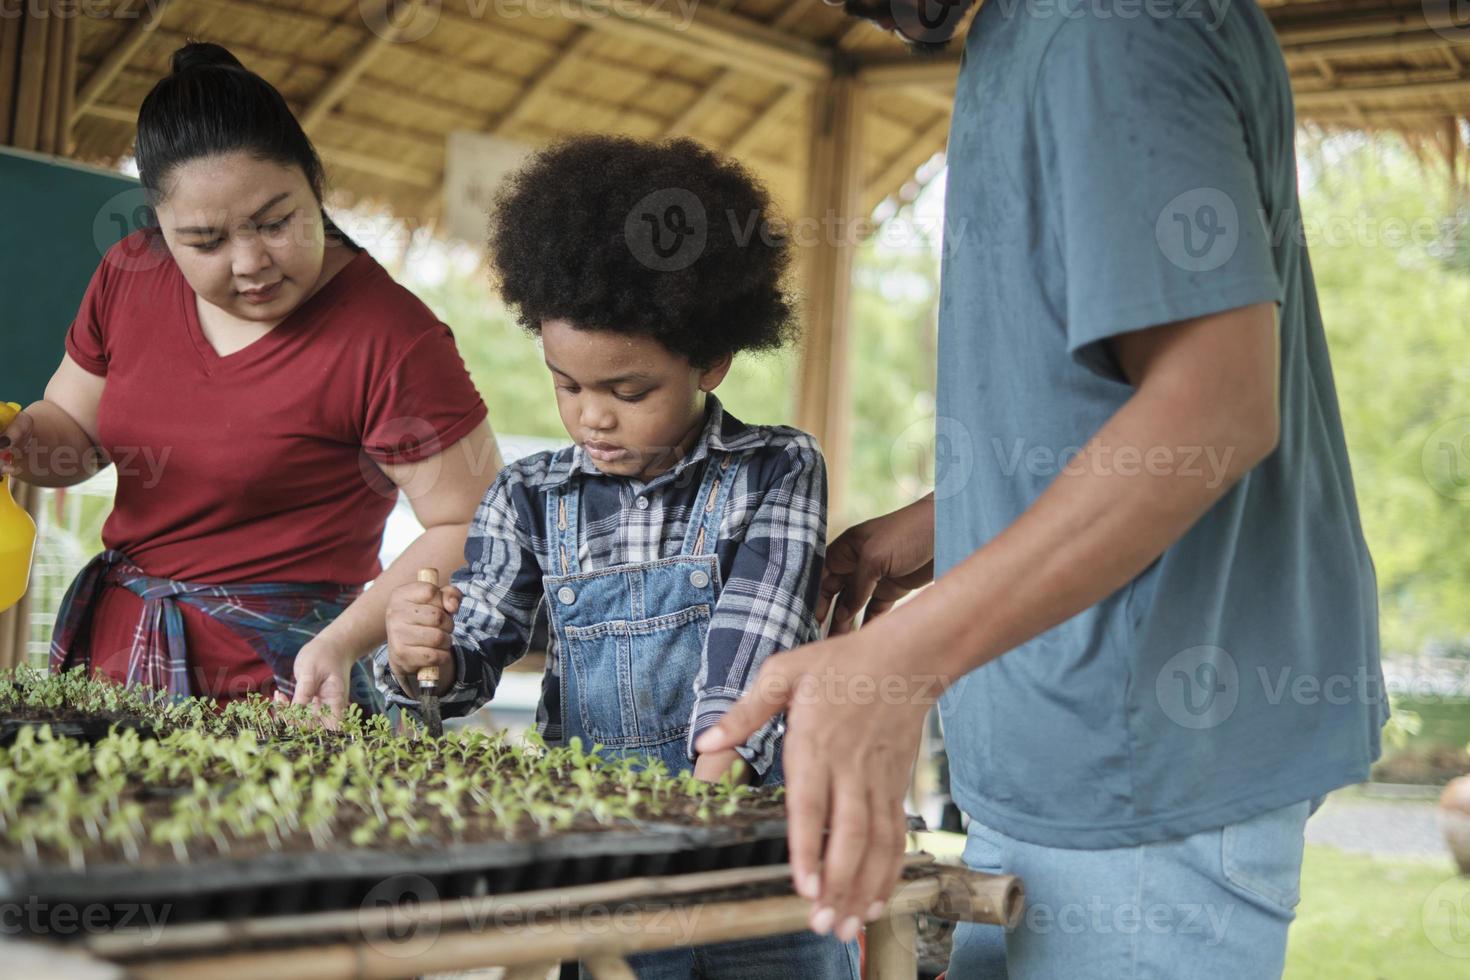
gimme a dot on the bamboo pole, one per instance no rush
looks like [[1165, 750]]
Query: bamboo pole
[[893, 947], [455, 913], [46, 130], [64, 113], [632, 930], [766, 120], [31, 78], [592, 932], [834, 200], [531, 971], [610, 968], [10, 28]]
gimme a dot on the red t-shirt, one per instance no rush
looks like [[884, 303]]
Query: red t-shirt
[[260, 466]]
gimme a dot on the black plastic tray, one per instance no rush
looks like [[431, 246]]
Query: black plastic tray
[[293, 883], [89, 730]]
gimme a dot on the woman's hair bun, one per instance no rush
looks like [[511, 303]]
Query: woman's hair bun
[[202, 54]]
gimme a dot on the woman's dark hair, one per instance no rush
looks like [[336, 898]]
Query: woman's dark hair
[[667, 240], [212, 104]]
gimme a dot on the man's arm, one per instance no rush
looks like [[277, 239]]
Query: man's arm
[[1210, 382]]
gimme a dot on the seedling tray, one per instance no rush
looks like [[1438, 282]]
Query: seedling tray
[[89, 730], [119, 895]]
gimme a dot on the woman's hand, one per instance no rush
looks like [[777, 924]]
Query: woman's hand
[[15, 441], [322, 671]]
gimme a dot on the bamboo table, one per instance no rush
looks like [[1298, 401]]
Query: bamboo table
[[529, 933]]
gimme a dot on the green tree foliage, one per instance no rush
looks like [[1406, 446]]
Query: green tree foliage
[[1396, 305]]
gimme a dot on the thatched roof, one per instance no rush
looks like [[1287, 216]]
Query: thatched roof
[[736, 74]]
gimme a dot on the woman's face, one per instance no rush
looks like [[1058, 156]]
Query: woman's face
[[246, 233]]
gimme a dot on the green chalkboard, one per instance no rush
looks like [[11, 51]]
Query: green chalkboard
[[57, 219]]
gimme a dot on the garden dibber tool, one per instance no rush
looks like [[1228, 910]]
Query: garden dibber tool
[[428, 677]]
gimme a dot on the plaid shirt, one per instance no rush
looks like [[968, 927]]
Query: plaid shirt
[[277, 620], [771, 543]]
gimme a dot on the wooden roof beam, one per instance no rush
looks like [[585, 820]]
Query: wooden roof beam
[[713, 94], [337, 86], [117, 59], [367, 163], [1397, 92], [886, 71], [729, 40], [1401, 43], [766, 120]]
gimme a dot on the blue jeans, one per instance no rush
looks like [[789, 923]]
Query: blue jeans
[[1212, 906], [794, 956]]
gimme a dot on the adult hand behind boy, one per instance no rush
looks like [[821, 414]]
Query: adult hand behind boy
[[420, 624], [876, 563]]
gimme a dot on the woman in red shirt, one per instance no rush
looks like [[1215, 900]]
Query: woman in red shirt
[[265, 390]]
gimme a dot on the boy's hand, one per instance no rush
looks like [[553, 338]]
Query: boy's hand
[[712, 766], [420, 624]]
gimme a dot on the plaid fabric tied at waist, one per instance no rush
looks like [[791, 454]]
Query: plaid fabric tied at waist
[[276, 619]]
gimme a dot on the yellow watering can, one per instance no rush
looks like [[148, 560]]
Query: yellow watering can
[[17, 532]]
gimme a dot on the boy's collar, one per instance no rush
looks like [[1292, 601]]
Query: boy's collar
[[722, 432]]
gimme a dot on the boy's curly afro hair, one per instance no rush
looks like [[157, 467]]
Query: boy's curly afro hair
[[667, 240]]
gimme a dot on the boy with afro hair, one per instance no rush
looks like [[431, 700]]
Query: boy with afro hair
[[674, 547]]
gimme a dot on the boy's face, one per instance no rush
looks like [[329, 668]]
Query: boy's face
[[631, 404]]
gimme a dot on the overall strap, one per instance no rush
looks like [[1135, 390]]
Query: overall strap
[[563, 513], [709, 504]]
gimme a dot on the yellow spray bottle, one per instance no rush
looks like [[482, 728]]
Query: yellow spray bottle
[[17, 532]]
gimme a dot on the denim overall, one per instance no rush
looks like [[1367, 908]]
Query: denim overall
[[631, 637], [631, 641]]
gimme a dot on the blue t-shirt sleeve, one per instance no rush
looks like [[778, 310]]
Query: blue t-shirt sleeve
[[1148, 183]]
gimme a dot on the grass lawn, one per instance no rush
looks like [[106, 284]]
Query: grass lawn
[[1362, 918]]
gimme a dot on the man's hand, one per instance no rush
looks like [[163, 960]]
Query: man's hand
[[874, 564], [420, 627], [853, 722]]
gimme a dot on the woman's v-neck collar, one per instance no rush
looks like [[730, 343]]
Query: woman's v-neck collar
[[262, 346]]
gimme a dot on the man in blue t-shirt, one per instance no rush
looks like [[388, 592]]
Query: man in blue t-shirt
[[1154, 615]]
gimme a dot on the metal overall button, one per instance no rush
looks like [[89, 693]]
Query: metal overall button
[[566, 595], [699, 579]]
